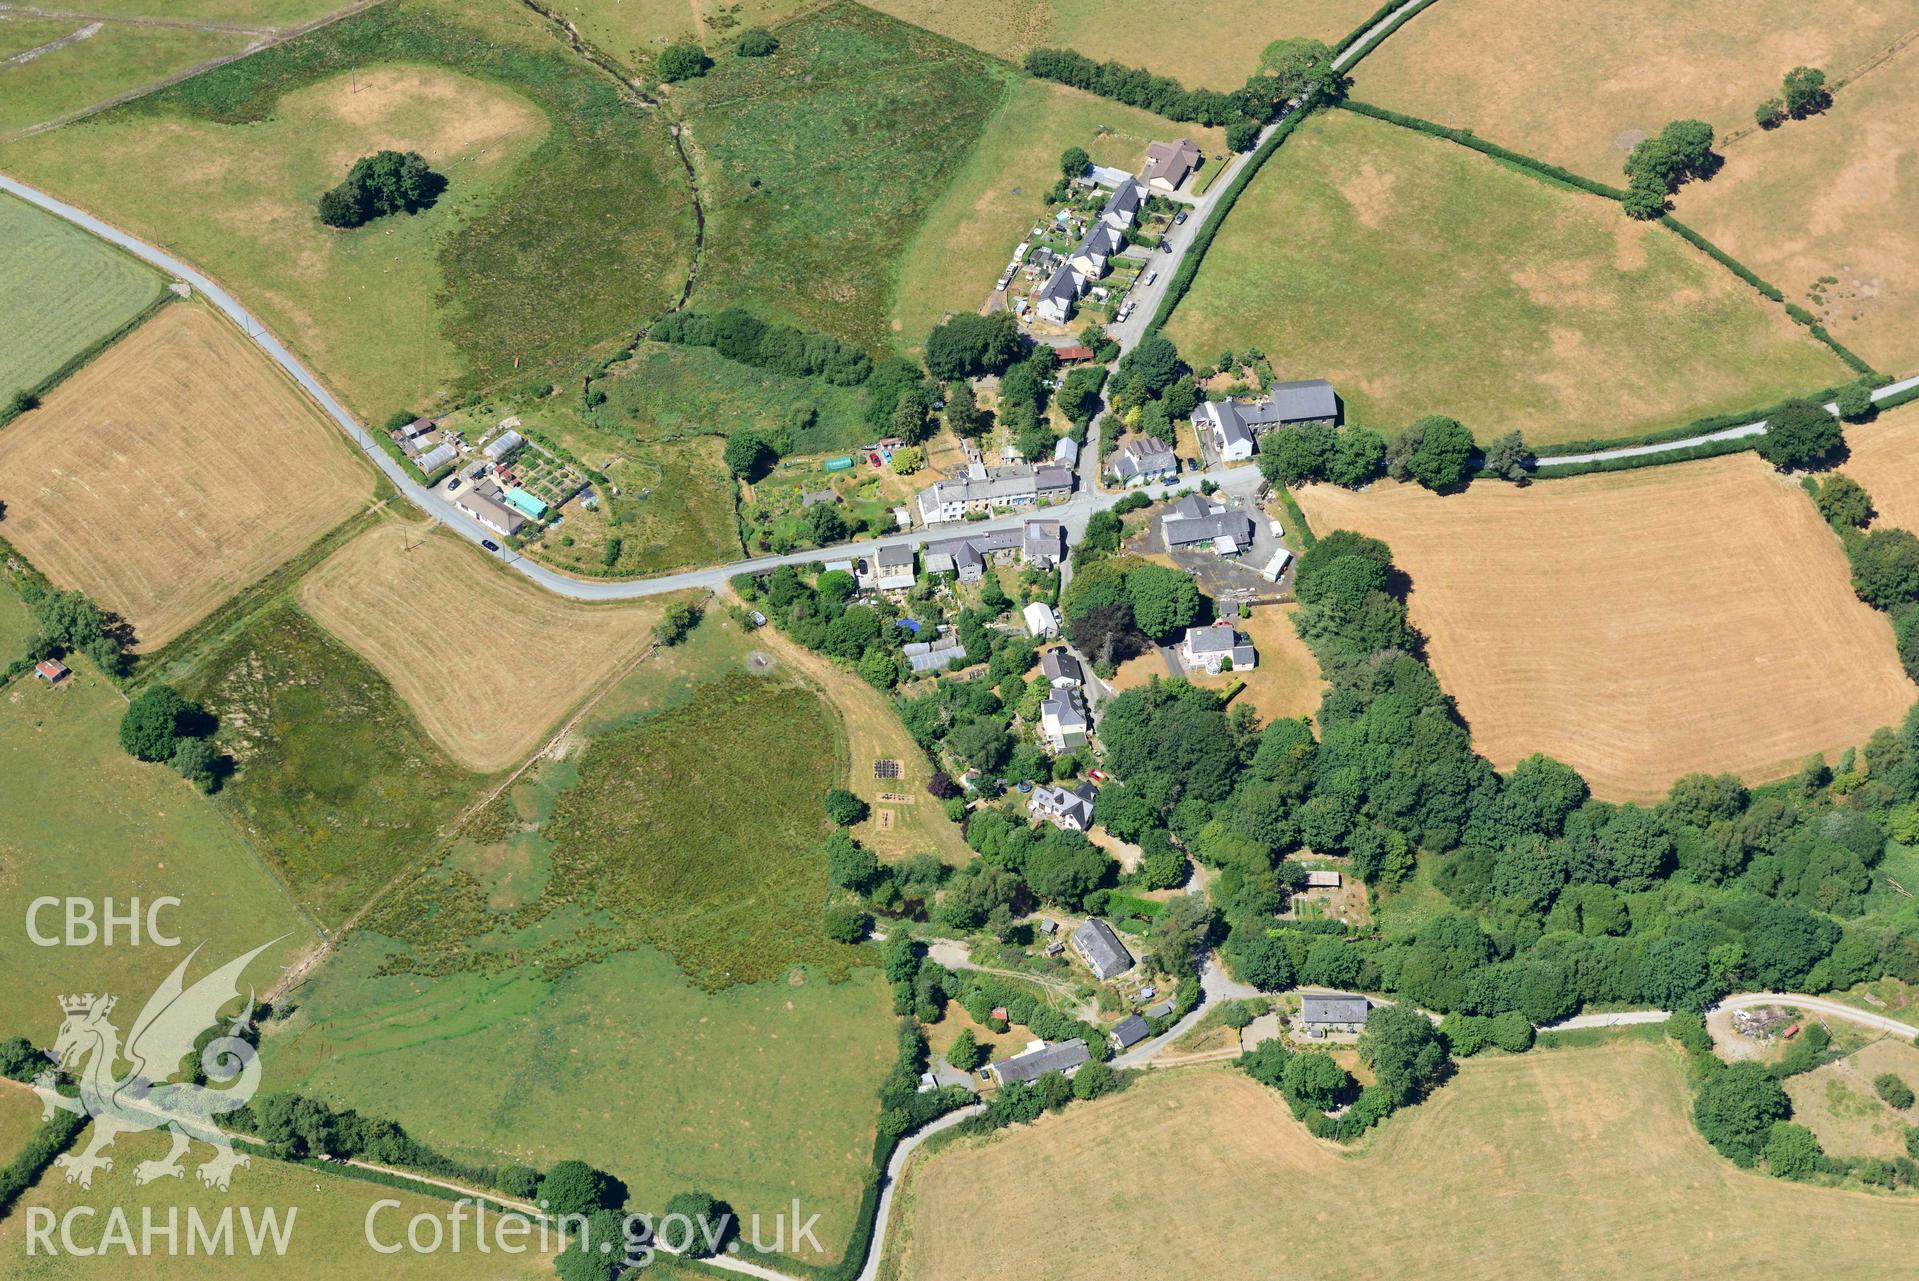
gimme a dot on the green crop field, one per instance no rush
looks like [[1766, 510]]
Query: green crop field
[[821, 162], [334, 776], [115, 59], [1559, 316], [65, 292], [328, 1240], [999, 193], [565, 223], [80, 818]]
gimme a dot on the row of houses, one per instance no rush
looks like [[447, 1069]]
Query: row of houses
[[983, 489], [1038, 543], [1075, 272]]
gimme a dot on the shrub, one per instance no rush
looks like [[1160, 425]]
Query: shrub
[[1512, 1032], [1844, 502], [683, 62], [1791, 1151], [844, 808], [1770, 114], [756, 42], [1895, 1092], [846, 922], [1855, 402]]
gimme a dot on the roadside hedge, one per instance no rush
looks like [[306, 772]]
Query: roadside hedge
[[1466, 138], [1374, 19], [1697, 427], [1711, 449], [49, 1141]]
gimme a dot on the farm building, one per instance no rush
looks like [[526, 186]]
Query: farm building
[[1039, 1058], [1233, 427], [1169, 164], [50, 670], [1101, 949], [1130, 1031], [1071, 809], [437, 457], [1323, 1012]]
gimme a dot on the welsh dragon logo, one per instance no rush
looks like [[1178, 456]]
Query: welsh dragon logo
[[166, 1032]]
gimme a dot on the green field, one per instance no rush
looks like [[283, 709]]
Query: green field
[[564, 225], [1559, 316], [16, 626], [821, 162], [80, 818], [328, 1241], [999, 192], [634, 31], [65, 292], [334, 776], [19, 1118], [115, 59]]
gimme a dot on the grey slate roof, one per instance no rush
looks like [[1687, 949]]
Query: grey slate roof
[[1195, 520], [1209, 640], [1159, 1011], [1068, 707], [1143, 456], [1333, 1007], [1303, 401], [1058, 665], [1033, 1064], [894, 558], [1102, 948], [1130, 1031], [1124, 201]]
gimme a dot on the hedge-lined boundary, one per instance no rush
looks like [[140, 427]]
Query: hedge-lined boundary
[[75, 363], [1547, 470], [1189, 264], [1905, 397], [49, 1141], [1305, 537], [1552, 172], [1379, 15], [1697, 427]]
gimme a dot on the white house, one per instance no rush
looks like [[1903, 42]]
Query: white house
[[1041, 622], [1064, 721], [1213, 647], [1143, 459], [1070, 809], [1061, 669]]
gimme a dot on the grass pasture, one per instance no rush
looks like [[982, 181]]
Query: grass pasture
[[1639, 626], [969, 234], [486, 660], [1883, 455], [820, 163], [1578, 84], [1833, 198], [65, 292], [115, 58], [328, 1240], [79, 817], [1838, 1104], [565, 222], [172, 471], [334, 777], [634, 31], [1560, 317], [19, 1118], [1286, 682], [1209, 43], [1579, 1164]]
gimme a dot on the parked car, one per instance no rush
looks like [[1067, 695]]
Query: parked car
[[453, 484], [1179, 219], [1151, 276], [489, 544]]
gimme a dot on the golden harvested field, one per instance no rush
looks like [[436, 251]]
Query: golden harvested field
[[1579, 1165], [172, 471], [1884, 457], [1210, 43], [1639, 626], [486, 660], [1833, 198], [1577, 84]]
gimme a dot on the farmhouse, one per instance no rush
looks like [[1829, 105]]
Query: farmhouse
[[1233, 427], [894, 566], [1039, 1058], [1061, 669], [1101, 949], [1196, 521], [1041, 622], [50, 670], [1130, 1031], [1169, 164], [1323, 1012], [1064, 720], [1143, 459], [1212, 648], [1072, 810], [482, 503]]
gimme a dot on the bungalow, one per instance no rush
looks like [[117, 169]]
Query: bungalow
[[1213, 647], [1074, 355], [1143, 459], [1064, 720], [1169, 164], [482, 503], [1041, 622], [503, 446], [1061, 669], [50, 670], [1101, 949], [1323, 1012], [1072, 810], [895, 569], [1196, 520], [1130, 1031], [1039, 1058]]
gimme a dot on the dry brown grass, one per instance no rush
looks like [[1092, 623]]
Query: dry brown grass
[[1286, 683], [486, 660], [171, 472], [1641, 626], [1572, 83], [1580, 1165], [1884, 457], [1833, 198], [1838, 1104]]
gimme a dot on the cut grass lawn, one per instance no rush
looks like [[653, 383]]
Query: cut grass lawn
[[565, 223], [81, 818], [65, 293], [820, 163], [172, 471], [1560, 317], [1578, 84], [116, 58], [1828, 209], [759, 1094], [334, 776], [1883, 456], [1639, 626], [326, 1212], [997, 195], [486, 660], [1595, 1142], [1211, 43]]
